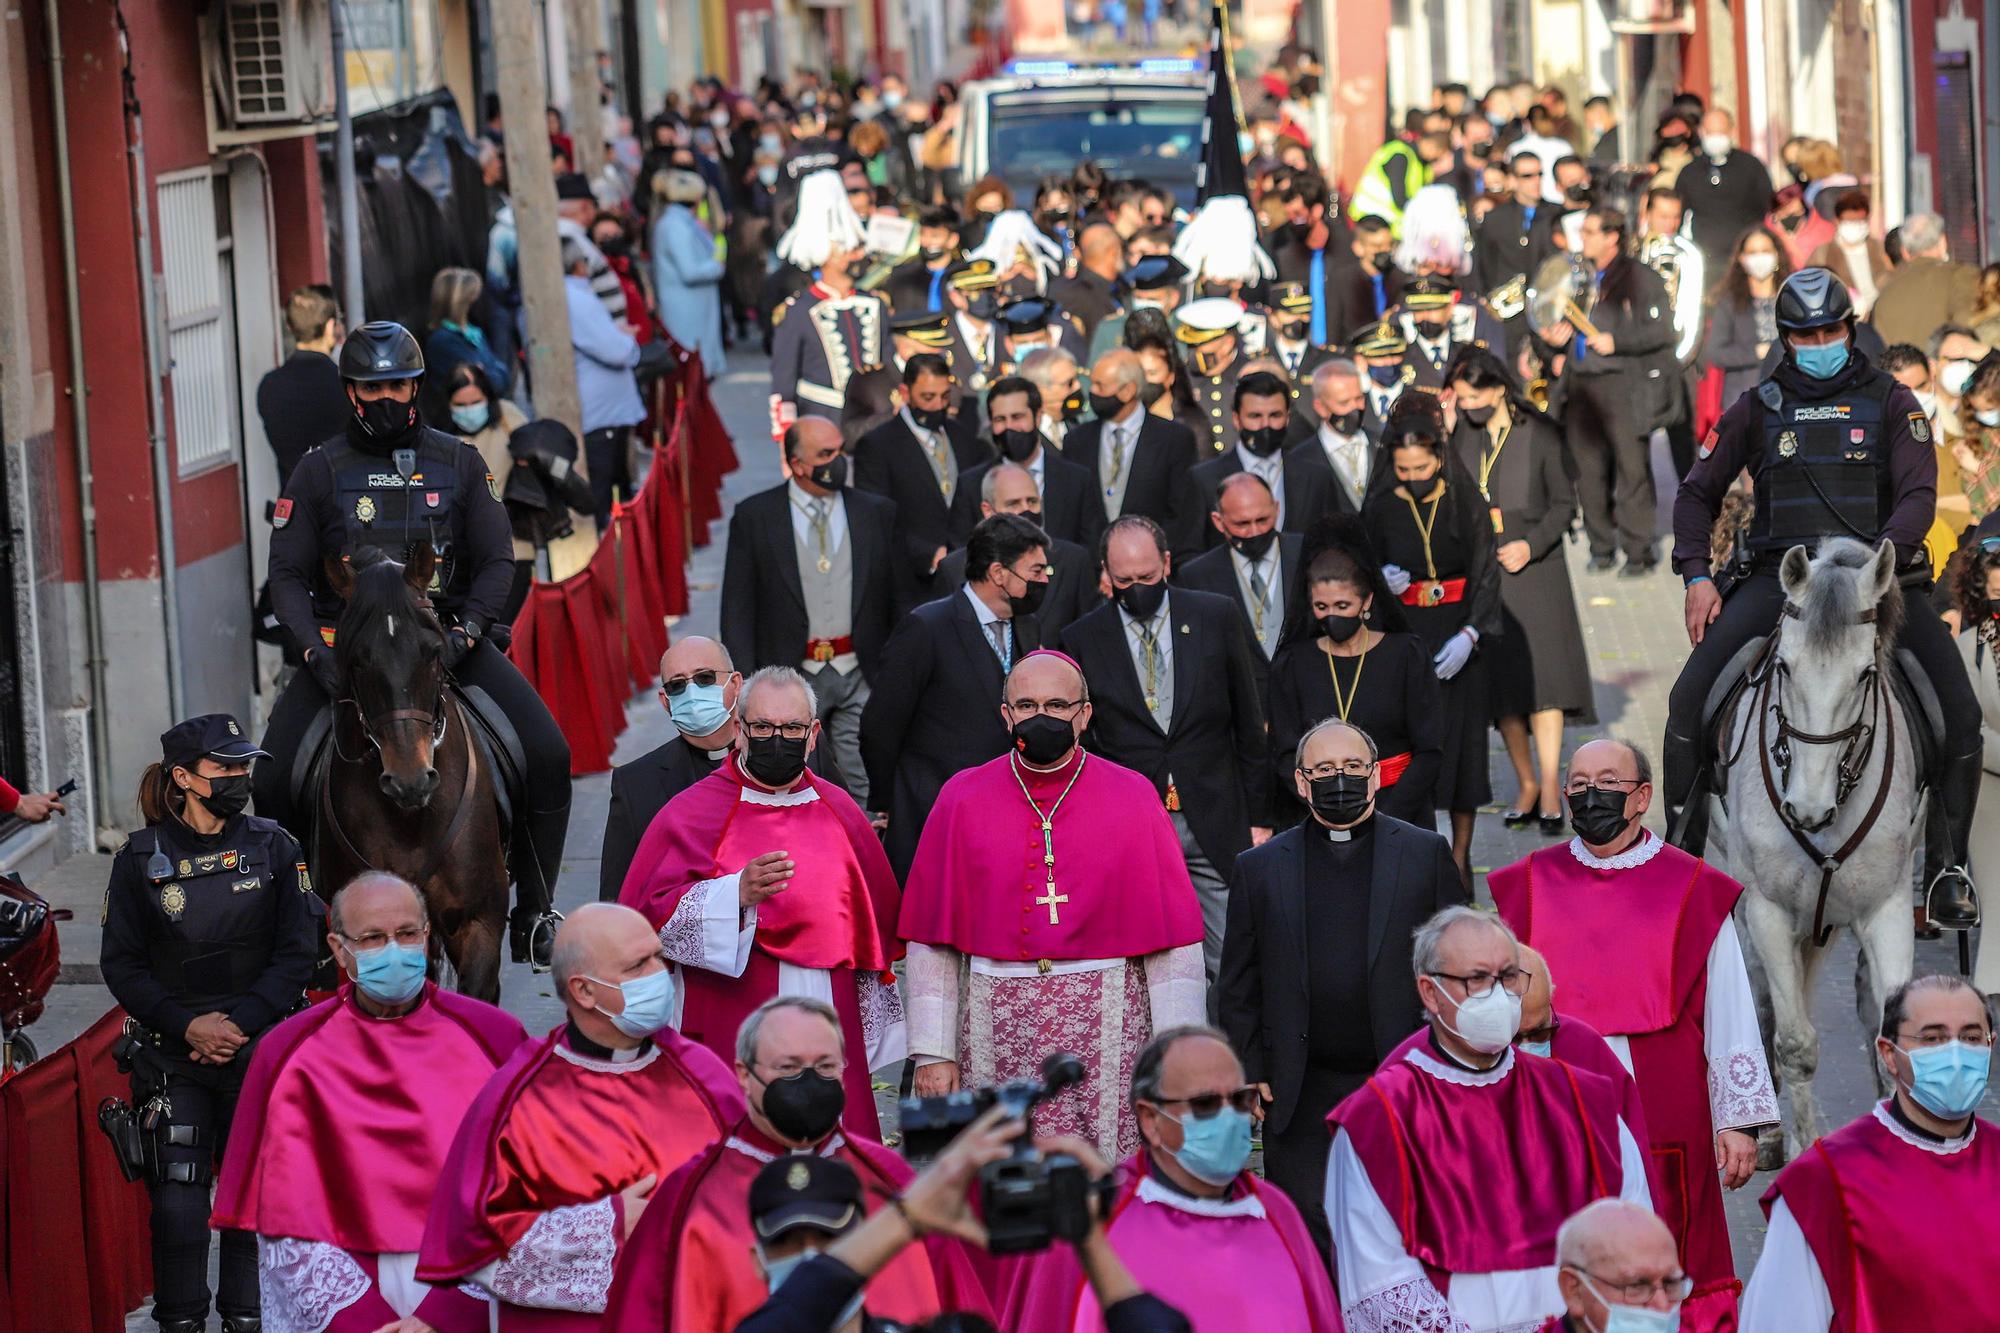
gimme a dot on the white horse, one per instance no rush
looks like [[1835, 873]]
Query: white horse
[[1823, 799]]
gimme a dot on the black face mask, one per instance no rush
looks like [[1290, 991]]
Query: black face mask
[[614, 247], [1340, 799], [930, 419], [1032, 593], [1345, 423], [830, 475], [1018, 446], [1042, 740], [1216, 289], [933, 253], [1055, 217], [1478, 416], [774, 760], [1072, 407], [983, 306], [1340, 628], [1263, 441], [1792, 222], [805, 1107], [227, 796], [385, 418], [1253, 548], [1421, 488], [1796, 172], [1433, 329], [1141, 601], [1149, 392], [1598, 815], [1292, 331], [1033, 516], [857, 270], [1578, 193], [1106, 406]]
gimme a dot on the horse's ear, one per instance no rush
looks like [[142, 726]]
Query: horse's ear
[[423, 561], [340, 577], [1793, 572], [1882, 574]]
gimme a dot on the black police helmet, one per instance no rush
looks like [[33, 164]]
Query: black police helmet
[[379, 351], [1813, 298]]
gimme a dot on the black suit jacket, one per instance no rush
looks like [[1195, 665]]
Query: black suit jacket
[[764, 602], [1309, 455], [1214, 572], [1309, 492], [1262, 990], [890, 462], [1071, 510], [1072, 587], [1350, 296], [933, 711], [1160, 485], [1088, 297], [1215, 749], [1509, 245], [908, 287], [642, 788]]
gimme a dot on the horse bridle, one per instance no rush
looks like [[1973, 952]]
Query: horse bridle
[[436, 719], [1858, 734]]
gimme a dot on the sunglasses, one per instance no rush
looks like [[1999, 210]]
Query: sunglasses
[[676, 687], [1207, 1104]]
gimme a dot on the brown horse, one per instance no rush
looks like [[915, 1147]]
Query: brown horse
[[407, 790]]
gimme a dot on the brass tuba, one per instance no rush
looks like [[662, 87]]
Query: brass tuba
[[1678, 262], [1561, 291]]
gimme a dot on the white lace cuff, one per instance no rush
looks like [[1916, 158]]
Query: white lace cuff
[[1176, 986], [883, 1029], [933, 975], [709, 930], [305, 1283], [1407, 1307], [1740, 1095], [564, 1262]]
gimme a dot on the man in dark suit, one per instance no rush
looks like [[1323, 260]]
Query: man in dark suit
[[815, 579], [918, 458], [1366, 284], [1140, 463], [698, 686], [1262, 414], [918, 284], [1256, 565], [299, 399], [1519, 233], [935, 708], [1070, 510], [1009, 488], [1340, 444], [1174, 695], [1091, 295], [1317, 982]]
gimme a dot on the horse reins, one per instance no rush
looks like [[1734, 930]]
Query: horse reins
[[459, 817], [1861, 732]]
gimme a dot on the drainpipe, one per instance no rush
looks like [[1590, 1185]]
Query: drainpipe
[[93, 604], [149, 310], [351, 311]]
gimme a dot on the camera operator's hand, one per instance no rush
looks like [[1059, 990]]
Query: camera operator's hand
[[939, 1201], [936, 1080], [1109, 1278], [766, 875]]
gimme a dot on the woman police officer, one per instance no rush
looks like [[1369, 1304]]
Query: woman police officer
[[211, 929]]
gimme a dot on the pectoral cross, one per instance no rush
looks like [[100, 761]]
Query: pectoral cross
[[1051, 899]]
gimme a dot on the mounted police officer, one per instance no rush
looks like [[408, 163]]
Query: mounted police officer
[[388, 481], [1837, 448], [211, 928]]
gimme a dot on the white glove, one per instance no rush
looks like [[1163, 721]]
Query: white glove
[[1397, 578], [1451, 659]]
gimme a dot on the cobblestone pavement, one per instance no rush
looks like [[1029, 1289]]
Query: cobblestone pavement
[[1632, 631]]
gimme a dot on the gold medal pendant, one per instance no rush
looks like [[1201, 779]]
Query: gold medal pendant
[[825, 565]]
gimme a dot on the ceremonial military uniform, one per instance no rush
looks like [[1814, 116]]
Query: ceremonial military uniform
[[1291, 315], [820, 341], [1470, 324], [197, 924], [1208, 330]]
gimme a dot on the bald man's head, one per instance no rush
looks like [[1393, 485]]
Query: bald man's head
[[600, 940], [690, 673], [1612, 1244], [1538, 1013], [1045, 676], [695, 653], [1100, 250]]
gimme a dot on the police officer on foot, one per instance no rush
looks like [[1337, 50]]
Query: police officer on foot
[[1836, 448], [388, 481], [211, 928]]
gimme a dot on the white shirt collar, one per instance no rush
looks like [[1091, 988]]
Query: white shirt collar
[[979, 608], [1247, 1205], [800, 498], [1421, 1057], [1631, 858], [834, 1143], [1936, 1147], [1246, 563], [1334, 439], [621, 1062], [803, 794], [1263, 467]]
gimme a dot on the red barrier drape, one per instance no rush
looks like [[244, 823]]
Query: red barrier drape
[[75, 1248]]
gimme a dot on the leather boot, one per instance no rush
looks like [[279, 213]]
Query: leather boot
[[1950, 900], [183, 1326], [242, 1323], [1686, 793]]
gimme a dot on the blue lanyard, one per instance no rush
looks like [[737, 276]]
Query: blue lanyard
[[1316, 286]]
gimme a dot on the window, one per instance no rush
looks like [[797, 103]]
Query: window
[[1148, 132], [195, 306]]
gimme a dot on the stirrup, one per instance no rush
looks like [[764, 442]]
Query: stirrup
[[542, 940], [1950, 900]]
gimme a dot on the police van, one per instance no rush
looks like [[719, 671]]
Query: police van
[[1043, 117]]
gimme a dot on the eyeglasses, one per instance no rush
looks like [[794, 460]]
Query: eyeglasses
[[676, 686], [831, 1067], [791, 731], [409, 937], [1639, 1291], [1514, 981], [1546, 1032], [1934, 1037], [1578, 786], [1062, 708], [1205, 1105], [1345, 768]]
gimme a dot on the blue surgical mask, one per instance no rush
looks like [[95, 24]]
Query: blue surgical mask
[[648, 1003], [1214, 1151], [470, 418], [1823, 362], [698, 710], [390, 974], [768, 175], [1988, 418], [1540, 1048], [1632, 1318], [1949, 1080], [1385, 376]]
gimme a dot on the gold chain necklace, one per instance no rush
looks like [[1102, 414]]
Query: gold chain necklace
[[1344, 704], [1424, 529]]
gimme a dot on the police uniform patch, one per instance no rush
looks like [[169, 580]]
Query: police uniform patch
[[187, 868], [234, 730], [173, 901], [364, 509], [281, 513], [1788, 444], [798, 1177], [1920, 428], [229, 860], [1708, 442], [431, 499], [492, 486], [245, 885], [305, 880]]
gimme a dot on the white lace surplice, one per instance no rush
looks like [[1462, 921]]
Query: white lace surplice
[[1385, 1289], [999, 1021], [303, 1284], [1740, 1092], [564, 1262]]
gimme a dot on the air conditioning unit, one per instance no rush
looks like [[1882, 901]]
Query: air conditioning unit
[[274, 62]]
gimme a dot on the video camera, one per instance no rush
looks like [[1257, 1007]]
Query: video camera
[[1028, 1199]]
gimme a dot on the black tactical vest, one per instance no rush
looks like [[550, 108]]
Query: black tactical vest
[[379, 508], [1823, 468], [210, 915]]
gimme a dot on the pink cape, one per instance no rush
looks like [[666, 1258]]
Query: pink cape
[[545, 1133], [839, 910], [1245, 1274], [1549, 1131], [1867, 1202], [335, 1098], [1651, 990], [979, 868], [688, 1266]]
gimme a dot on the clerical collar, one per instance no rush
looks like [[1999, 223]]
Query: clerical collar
[[1897, 1121], [1441, 1064], [1171, 1191], [1631, 858], [591, 1051], [717, 756], [1359, 831], [761, 1147], [1156, 1188]]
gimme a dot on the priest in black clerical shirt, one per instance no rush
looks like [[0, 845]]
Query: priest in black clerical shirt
[[1316, 982]]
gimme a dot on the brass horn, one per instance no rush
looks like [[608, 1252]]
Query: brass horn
[[1560, 293]]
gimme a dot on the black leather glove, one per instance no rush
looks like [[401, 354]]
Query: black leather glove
[[458, 641], [320, 662]]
